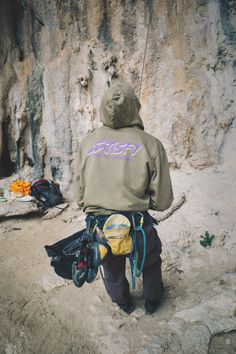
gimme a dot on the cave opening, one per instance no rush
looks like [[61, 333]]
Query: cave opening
[[7, 167]]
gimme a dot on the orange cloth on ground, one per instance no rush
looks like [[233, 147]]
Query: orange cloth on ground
[[20, 186]]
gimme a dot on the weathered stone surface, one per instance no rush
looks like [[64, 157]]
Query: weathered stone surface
[[16, 208], [56, 60], [53, 212], [223, 343], [190, 330], [52, 281]]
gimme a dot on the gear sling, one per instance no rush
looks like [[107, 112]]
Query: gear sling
[[79, 256]]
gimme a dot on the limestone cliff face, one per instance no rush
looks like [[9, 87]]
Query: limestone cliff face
[[57, 58]]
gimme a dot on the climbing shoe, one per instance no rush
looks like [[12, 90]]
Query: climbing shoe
[[151, 306], [127, 308], [79, 273], [99, 251], [91, 275]]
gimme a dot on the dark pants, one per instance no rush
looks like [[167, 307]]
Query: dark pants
[[114, 270]]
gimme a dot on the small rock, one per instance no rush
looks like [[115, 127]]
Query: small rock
[[92, 309], [52, 281], [97, 299], [196, 339]]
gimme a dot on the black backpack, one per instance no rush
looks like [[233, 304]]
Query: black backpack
[[47, 192], [73, 258], [61, 261]]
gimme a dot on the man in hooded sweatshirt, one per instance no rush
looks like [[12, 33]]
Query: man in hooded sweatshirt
[[123, 169]]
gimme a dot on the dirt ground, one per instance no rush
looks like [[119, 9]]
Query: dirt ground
[[42, 313]]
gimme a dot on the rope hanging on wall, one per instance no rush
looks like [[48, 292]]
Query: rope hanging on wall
[[145, 48]]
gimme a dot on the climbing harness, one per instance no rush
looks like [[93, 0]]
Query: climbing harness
[[79, 256]]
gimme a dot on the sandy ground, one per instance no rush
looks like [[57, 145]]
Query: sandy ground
[[41, 313]]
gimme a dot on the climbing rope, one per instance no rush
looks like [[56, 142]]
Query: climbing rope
[[145, 48], [135, 271]]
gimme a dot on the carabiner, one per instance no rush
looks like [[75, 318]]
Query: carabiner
[[137, 228]]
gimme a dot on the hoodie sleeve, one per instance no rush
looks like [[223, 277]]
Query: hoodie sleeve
[[79, 191], [160, 188]]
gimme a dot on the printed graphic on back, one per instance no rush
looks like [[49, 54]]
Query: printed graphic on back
[[114, 149]]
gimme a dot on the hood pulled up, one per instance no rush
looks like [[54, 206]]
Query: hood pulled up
[[120, 107]]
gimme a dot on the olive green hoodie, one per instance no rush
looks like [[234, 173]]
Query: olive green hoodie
[[120, 167]]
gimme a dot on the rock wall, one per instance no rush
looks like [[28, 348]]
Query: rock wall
[[57, 58]]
